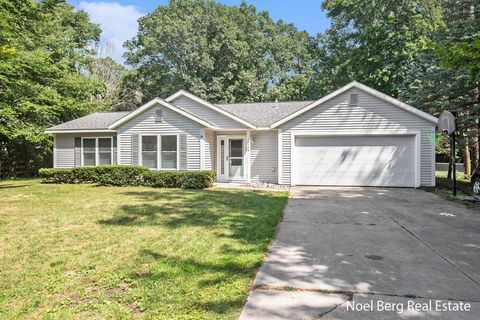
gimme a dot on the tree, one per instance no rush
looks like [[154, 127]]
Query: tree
[[44, 60], [221, 53], [117, 94], [375, 41]]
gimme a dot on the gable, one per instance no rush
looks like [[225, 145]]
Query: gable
[[370, 113], [217, 119], [164, 104], [390, 101]]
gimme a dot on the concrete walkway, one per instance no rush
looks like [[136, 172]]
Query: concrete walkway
[[344, 247]]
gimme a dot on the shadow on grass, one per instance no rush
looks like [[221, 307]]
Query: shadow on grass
[[250, 216], [12, 186], [224, 272]]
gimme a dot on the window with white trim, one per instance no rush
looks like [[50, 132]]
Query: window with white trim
[[96, 151], [168, 150], [89, 154], [159, 152], [149, 151]]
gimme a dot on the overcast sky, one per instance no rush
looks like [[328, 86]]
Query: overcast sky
[[118, 19]]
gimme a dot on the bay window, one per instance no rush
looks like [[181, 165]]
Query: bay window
[[159, 152]]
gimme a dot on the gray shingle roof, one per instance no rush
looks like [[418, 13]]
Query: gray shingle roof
[[261, 114], [264, 114], [94, 121]]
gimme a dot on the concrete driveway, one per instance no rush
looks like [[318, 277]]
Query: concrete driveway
[[339, 248]]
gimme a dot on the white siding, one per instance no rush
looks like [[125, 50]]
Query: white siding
[[65, 147], [206, 113], [263, 156], [209, 150], [173, 123], [371, 113]]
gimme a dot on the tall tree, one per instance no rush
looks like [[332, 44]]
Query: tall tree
[[374, 41], [44, 60], [444, 76], [222, 53]]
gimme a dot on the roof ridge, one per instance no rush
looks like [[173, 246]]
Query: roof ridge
[[264, 102]]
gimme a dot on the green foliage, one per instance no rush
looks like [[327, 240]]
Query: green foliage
[[180, 179], [221, 53], [116, 175], [44, 56], [107, 175], [373, 42]]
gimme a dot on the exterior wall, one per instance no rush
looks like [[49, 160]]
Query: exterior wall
[[371, 113], [64, 147], [206, 113], [210, 146], [263, 156], [173, 123]]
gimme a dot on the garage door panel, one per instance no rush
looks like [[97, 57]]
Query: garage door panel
[[356, 161]]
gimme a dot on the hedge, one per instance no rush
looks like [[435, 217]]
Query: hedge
[[115, 175]]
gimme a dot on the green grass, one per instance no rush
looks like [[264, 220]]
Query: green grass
[[83, 251], [443, 188]]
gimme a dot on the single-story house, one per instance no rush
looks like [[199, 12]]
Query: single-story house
[[355, 136]]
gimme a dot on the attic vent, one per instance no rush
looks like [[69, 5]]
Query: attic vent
[[353, 99], [158, 115]]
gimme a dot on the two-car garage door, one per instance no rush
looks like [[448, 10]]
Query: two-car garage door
[[373, 160]]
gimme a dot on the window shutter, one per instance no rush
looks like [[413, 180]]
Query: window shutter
[[135, 161], [78, 151], [183, 151], [114, 149]]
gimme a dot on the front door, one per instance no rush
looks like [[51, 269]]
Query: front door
[[230, 165]]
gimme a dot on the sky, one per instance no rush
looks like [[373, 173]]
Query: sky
[[118, 18]]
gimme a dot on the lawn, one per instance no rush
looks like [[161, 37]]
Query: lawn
[[444, 188], [83, 251]]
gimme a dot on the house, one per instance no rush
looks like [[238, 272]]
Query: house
[[355, 136]]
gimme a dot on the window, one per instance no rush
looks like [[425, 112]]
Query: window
[[104, 151], [89, 155], [158, 115], [169, 152], [149, 151], [96, 151], [159, 152]]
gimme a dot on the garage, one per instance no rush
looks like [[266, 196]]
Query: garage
[[355, 160]]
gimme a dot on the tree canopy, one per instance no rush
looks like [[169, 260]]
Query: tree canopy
[[222, 53], [44, 56]]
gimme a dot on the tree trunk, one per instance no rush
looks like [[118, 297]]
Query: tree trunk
[[467, 164], [475, 146]]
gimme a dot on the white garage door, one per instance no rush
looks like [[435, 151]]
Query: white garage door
[[355, 160]]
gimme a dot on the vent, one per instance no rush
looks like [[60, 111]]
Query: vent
[[158, 115], [353, 99]]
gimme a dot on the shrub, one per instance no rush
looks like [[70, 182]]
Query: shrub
[[105, 175], [180, 179], [116, 175]]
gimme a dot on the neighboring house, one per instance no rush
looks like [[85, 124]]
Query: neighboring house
[[355, 136]]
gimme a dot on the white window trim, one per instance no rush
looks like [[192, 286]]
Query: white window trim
[[97, 153], [159, 152]]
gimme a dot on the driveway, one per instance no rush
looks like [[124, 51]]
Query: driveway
[[339, 248]]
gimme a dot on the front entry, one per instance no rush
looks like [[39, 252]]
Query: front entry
[[230, 158]]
